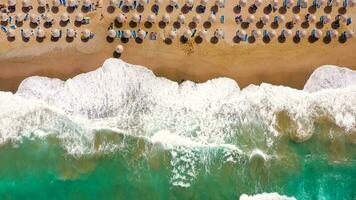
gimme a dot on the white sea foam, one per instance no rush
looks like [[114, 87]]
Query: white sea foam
[[132, 99], [266, 196]]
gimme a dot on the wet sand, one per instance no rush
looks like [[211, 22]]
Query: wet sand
[[283, 63]]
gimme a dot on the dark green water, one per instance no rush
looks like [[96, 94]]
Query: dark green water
[[320, 168]]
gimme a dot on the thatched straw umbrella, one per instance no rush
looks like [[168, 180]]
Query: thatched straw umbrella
[[4, 17], [55, 33], [70, 33], [202, 33], [19, 17], [41, 3], [120, 18], [219, 33], [141, 34], [56, 3], [119, 49], [11, 3], [151, 18], [127, 33], [181, 18], [187, 33], [111, 33], [79, 17], [40, 33], [86, 33], [220, 3], [250, 19], [166, 18], [10, 33], [196, 19], [135, 18], [265, 19]]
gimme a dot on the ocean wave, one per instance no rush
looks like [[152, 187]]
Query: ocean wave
[[91, 114], [266, 196]]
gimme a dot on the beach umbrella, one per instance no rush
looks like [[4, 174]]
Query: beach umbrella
[[19, 17], [286, 33], [33, 18], [196, 19], [135, 17], [56, 3], [86, 33], [79, 17], [334, 34], [302, 34], [26, 33], [151, 18], [290, 3], [166, 18], [70, 33], [258, 3], [86, 3], [127, 2], [26, 3], [317, 33], [41, 3], [204, 2], [212, 18], [189, 3], [220, 3], [55, 33], [265, 19], [304, 3], [187, 33], [10, 33], [349, 34], [127, 33], [48, 18], [181, 18], [219, 33], [271, 33], [111, 33], [241, 33], [295, 19], [113, 3], [173, 3], [250, 19], [142, 2], [141, 34], [157, 2], [40, 33], [64, 17], [119, 49], [202, 33], [72, 3], [242, 3], [121, 18], [172, 34], [311, 18], [11, 3], [256, 33], [274, 3], [4, 17]]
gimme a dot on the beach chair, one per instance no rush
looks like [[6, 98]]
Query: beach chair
[[120, 4], [345, 3], [348, 21], [276, 20], [13, 27], [11, 19], [265, 34], [195, 30], [222, 19], [133, 34], [3, 28]]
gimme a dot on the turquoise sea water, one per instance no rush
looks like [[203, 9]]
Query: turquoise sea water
[[320, 168]]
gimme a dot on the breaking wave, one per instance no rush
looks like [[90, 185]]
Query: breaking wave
[[259, 139]]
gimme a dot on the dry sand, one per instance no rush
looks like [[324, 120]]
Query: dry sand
[[287, 63]]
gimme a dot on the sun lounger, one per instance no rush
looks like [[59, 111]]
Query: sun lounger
[[348, 21], [11, 19], [120, 4], [3, 28], [195, 30], [13, 27], [222, 19], [133, 34]]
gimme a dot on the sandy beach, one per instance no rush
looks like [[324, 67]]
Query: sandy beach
[[283, 63]]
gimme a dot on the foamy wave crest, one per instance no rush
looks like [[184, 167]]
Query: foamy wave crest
[[266, 196]]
